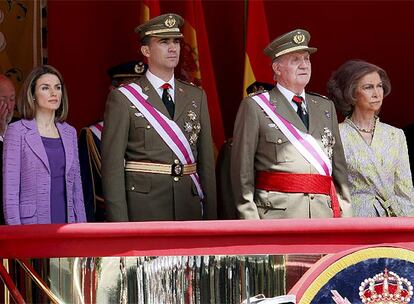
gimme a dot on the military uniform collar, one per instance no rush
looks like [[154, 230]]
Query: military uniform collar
[[289, 95], [157, 82]]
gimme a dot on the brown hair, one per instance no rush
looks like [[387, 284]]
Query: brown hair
[[26, 104], [343, 83], [145, 40]]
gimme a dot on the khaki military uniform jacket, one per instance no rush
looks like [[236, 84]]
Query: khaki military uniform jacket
[[258, 145], [136, 196]]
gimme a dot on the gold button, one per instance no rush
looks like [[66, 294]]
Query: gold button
[[279, 140], [148, 126], [176, 179], [176, 161], [132, 188]]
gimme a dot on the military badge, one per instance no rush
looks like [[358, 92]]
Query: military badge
[[139, 68], [192, 115], [328, 141], [193, 138], [299, 38], [192, 127], [327, 114], [193, 103], [188, 126], [170, 21]]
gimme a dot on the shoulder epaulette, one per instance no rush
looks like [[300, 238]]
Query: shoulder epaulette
[[189, 83], [257, 93], [317, 94]]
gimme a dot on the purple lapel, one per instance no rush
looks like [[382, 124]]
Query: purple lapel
[[34, 141]]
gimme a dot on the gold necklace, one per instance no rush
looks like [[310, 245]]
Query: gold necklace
[[369, 131]]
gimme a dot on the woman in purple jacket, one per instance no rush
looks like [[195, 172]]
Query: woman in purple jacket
[[41, 175]]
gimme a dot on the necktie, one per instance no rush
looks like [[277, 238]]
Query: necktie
[[167, 100], [302, 114]]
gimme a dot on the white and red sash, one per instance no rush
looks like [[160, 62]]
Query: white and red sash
[[97, 129], [169, 131], [304, 143]]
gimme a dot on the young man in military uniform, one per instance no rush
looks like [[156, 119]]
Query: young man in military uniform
[[160, 126], [287, 156]]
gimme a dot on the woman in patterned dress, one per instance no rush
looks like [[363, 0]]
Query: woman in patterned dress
[[376, 153]]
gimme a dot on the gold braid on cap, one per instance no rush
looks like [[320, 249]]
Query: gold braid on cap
[[293, 49], [162, 31]]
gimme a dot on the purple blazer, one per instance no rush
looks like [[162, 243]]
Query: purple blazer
[[26, 175]]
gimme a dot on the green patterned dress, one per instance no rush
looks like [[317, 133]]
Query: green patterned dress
[[379, 174]]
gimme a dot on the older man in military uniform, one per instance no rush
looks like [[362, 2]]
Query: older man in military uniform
[[160, 126], [287, 156]]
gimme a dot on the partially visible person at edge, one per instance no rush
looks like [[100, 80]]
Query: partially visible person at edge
[[90, 145], [287, 159], [7, 103], [226, 209], [42, 183], [376, 153], [160, 126]]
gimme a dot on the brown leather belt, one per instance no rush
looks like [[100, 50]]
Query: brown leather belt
[[176, 169]]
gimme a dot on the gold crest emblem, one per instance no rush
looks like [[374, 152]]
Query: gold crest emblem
[[192, 127], [139, 68], [328, 142], [299, 38], [170, 21]]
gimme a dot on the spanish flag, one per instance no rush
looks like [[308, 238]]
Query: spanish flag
[[149, 9], [256, 64], [196, 64]]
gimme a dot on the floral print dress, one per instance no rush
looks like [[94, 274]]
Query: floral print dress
[[379, 174]]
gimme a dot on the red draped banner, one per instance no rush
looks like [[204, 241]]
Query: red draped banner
[[149, 9], [197, 66], [256, 65]]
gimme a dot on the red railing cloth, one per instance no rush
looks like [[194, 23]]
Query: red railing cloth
[[203, 238]]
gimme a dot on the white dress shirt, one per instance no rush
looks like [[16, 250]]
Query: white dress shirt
[[289, 95], [158, 82]]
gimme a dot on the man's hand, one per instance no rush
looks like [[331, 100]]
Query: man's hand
[[3, 118]]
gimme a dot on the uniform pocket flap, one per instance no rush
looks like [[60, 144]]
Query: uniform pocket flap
[[275, 138], [140, 123], [138, 182], [276, 200], [27, 210]]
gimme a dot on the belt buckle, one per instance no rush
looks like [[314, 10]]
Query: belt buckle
[[177, 170]]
